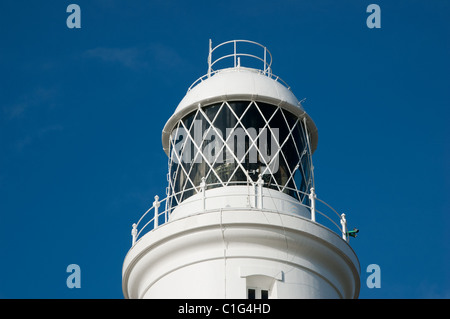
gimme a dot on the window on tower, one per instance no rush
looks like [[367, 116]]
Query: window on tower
[[257, 293], [251, 293]]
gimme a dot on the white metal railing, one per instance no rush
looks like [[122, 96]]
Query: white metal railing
[[255, 200], [267, 56], [235, 58]]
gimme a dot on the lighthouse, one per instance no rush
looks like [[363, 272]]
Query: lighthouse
[[240, 217]]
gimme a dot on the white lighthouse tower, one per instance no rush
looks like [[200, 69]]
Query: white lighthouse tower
[[240, 218]]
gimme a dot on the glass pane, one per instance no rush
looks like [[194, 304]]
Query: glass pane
[[289, 118], [238, 175], [211, 180], [252, 118], [278, 121], [267, 110], [239, 107], [253, 142], [251, 293], [212, 110], [290, 153], [188, 119]]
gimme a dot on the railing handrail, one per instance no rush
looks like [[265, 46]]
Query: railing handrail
[[267, 63], [266, 59], [250, 195]]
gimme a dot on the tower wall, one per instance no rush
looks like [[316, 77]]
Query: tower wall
[[219, 254]]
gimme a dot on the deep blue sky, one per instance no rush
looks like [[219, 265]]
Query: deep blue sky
[[81, 114]]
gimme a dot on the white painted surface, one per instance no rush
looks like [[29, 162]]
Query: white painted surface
[[220, 246], [238, 84], [239, 197], [218, 254]]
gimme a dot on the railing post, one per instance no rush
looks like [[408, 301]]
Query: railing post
[[133, 234], [344, 227], [234, 53], [202, 189], [260, 184], [312, 198], [209, 58], [156, 205], [265, 63]]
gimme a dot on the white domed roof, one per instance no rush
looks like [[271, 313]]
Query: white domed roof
[[235, 82], [238, 83]]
